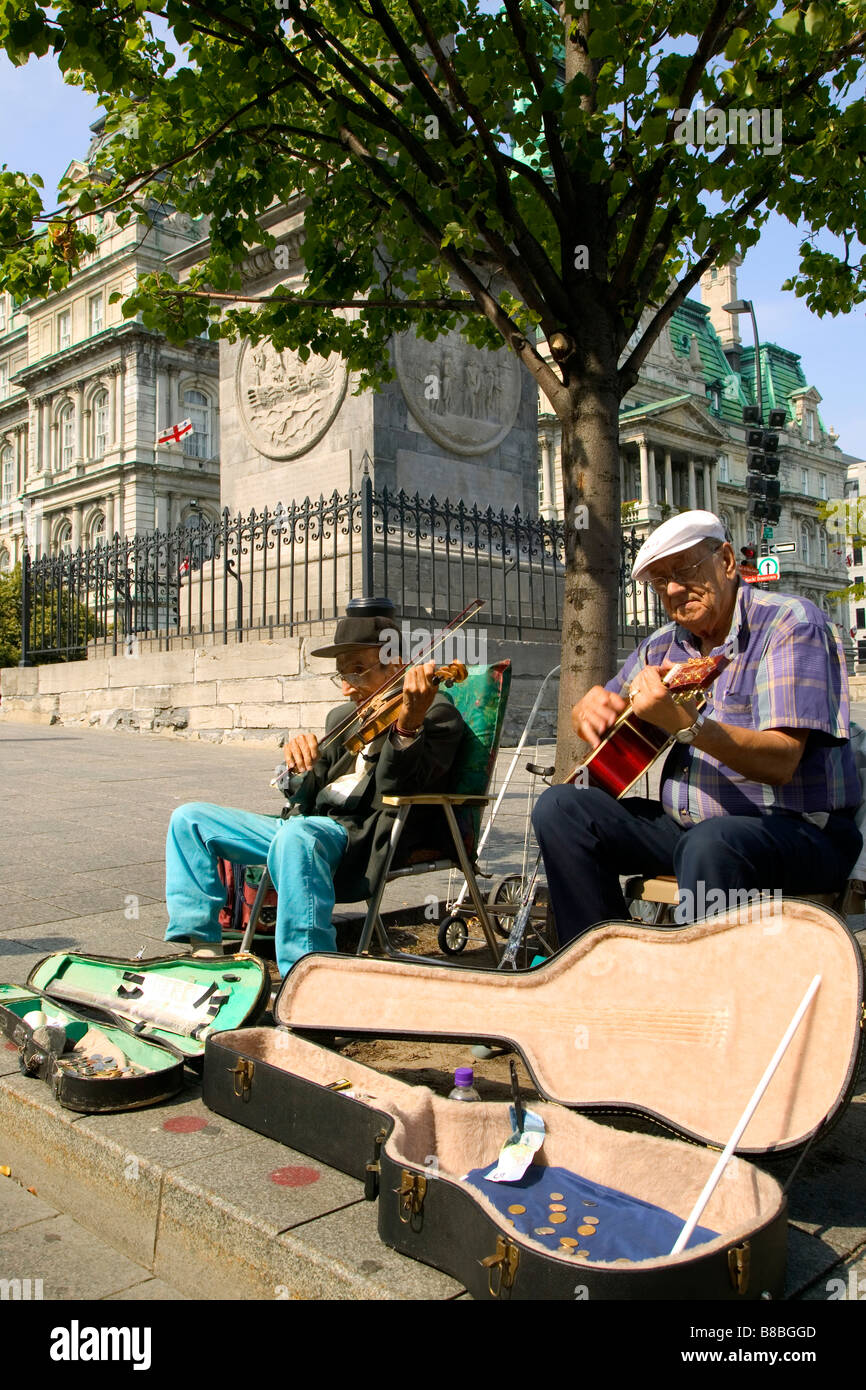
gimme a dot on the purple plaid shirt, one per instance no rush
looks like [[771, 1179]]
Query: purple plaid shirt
[[786, 671]]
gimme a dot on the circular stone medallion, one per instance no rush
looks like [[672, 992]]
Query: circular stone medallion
[[466, 398], [287, 405]]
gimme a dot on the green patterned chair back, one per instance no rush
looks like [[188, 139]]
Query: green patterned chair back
[[481, 699]]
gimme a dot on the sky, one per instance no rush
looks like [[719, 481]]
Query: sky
[[45, 125]]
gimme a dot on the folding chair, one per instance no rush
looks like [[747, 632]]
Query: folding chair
[[481, 699], [663, 893]]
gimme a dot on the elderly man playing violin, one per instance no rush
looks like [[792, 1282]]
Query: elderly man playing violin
[[759, 789], [332, 839]]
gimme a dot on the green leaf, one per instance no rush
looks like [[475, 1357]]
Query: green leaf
[[816, 18], [789, 22], [736, 43]]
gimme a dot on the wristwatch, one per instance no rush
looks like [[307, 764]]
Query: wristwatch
[[690, 734]]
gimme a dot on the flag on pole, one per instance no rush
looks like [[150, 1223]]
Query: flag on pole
[[175, 433]]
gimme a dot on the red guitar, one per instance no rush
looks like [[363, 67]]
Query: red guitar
[[632, 745]]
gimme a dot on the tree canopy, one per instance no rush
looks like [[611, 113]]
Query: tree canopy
[[529, 172]]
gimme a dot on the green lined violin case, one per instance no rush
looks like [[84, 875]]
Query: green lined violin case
[[672, 1026], [127, 1027]]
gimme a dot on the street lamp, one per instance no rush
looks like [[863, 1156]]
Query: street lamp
[[762, 480], [745, 306]]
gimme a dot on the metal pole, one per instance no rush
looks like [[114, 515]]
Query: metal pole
[[366, 534], [759, 391], [26, 659]]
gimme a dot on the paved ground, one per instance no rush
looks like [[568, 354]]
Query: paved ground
[[177, 1193]]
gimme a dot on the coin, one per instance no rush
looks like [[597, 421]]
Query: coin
[[556, 1196], [591, 1220], [558, 1206], [517, 1209], [585, 1230], [558, 1217], [582, 1254], [589, 1204], [569, 1240], [622, 1261], [545, 1231]]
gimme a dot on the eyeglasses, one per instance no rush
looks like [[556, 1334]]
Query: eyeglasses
[[682, 577], [353, 678]]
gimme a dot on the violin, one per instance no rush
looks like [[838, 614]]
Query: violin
[[381, 710], [376, 715]]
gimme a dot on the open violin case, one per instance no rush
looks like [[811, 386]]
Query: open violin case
[[109, 1034], [676, 1026]]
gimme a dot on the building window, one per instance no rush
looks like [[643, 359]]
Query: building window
[[4, 380], [724, 469], [64, 330], [751, 532], [64, 539], [66, 435], [5, 561], [861, 617], [822, 548], [96, 323], [197, 408], [100, 423], [810, 426], [2, 313], [7, 468], [804, 481], [858, 555], [804, 543], [97, 529], [822, 486]]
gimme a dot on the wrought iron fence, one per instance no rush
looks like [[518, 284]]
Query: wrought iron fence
[[287, 570]]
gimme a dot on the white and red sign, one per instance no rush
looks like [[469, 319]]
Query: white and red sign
[[175, 433]]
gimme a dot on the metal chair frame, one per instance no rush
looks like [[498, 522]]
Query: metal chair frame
[[373, 920]]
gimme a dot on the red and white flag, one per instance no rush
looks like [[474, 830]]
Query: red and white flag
[[175, 433]]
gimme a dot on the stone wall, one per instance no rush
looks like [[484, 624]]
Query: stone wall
[[240, 691]]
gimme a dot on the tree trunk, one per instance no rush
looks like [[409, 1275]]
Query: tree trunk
[[590, 469]]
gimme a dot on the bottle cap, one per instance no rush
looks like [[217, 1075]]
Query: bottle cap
[[464, 1076]]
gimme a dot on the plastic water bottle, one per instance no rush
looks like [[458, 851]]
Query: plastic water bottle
[[463, 1087]]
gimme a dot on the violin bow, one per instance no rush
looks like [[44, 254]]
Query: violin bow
[[392, 681]]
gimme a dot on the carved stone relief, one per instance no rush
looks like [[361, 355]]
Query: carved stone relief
[[463, 397], [287, 405]]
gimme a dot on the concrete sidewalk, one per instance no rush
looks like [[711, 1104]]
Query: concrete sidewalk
[[189, 1200]]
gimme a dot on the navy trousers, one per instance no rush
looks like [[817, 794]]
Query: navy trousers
[[588, 839]]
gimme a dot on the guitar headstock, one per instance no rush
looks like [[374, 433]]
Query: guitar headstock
[[695, 674]]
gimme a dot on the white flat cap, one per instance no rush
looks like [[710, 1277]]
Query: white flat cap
[[679, 533]]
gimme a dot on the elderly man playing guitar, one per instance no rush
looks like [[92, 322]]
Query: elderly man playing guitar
[[759, 789]]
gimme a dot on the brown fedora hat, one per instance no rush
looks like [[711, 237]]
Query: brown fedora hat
[[352, 633]]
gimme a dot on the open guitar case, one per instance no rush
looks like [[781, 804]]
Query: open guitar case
[[677, 1026], [155, 1013]]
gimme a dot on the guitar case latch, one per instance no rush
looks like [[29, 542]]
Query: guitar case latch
[[373, 1169], [739, 1266], [411, 1194], [501, 1267], [242, 1074]]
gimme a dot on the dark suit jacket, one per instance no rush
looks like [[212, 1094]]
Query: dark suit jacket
[[424, 766]]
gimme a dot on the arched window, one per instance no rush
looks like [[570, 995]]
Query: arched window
[[5, 560], [65, 435], [100, 423], [822, 547], [805, 538], [197, 408], [64, 538], [97, 529], [751, 532], [7, 470]]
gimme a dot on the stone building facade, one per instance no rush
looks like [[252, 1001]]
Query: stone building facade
[[83, 393]]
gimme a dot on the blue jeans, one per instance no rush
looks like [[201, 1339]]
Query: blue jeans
[[302, 855]]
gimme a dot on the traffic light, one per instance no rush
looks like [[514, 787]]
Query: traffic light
[[762, 479], [749, 555]]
